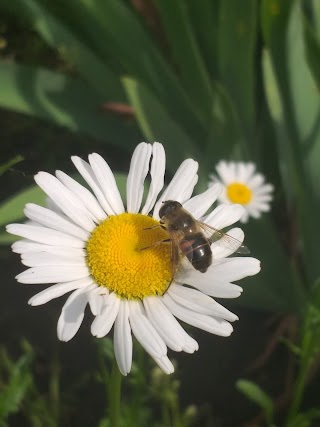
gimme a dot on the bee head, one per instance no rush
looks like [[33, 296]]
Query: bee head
[[168, 206]]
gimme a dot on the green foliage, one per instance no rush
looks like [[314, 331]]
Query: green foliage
[[150, 391], [4, 167], [253, 392], [15, 382]]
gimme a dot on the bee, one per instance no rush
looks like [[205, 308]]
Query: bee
[[192, 238]]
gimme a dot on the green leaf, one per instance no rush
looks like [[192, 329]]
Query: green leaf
[[304, 97], [225, 130], [316, 16], [6, 238], [312, 46], [12, 209], [204, 17], [121, 180], [63, 100], [297, 121], [275, 288], [141, 59], [100, 76], [254, 393], [20, 380], [276, 108], [305, 419], [157, 125], [186, 53], [5, 166], [237, 44]]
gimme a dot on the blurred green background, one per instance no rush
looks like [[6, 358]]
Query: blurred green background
[[211, 80]]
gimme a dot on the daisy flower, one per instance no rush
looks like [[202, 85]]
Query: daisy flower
[[243, 185], [88, 243]]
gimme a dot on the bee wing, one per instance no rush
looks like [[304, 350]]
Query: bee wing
[[223, 239]]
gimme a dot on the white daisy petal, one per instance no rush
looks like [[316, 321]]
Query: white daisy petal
[[65, 199], [138, 171], [145, 332], [53, 220], [245, 217], [260, 206], [224, 216], [56, 291], [207, 323], [72, 314], [107, 182], [87, 198], [123, 339], [36, 259], [52, 274], [187, 193], [264, 189], [210, 285], [263, 198], [219, 250], [26, 246], [245, 171], [199, 204], [199, 302], [96, 301], [254, 211], [231, 269], [88, 175], [104, 321], [183, 179], [256, 181], [157, 171], [165, 364], [167, 326], [226, 171], [50, 204], [218, 289], [44, 235]]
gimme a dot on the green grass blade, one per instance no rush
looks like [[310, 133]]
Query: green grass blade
[[299, 130], [186, 53], [157, 125], [63, 100], [255, 393], [130, 43], [5, 166], [58, 36], [237, 45], [204, 17], [12, 209]]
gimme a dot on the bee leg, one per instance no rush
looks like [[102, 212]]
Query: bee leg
[[151, 228], [156, 244]]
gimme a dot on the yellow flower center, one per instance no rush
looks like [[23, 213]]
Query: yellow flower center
[[117, 261], [239, 193]]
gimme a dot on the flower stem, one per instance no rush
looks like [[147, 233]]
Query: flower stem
[[114, 395], [299, 387]]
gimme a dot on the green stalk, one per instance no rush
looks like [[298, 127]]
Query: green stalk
[[300, 384], [114, 395]]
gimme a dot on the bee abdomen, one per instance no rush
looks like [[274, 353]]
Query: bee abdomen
[[197, 249]]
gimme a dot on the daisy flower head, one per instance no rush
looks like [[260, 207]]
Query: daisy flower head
[[106, 254], [243, 185]]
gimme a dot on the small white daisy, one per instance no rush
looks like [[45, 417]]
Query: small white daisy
[[243, 185], [89, 244]]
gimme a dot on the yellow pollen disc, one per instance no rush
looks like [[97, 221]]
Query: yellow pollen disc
[[239, 193], [117, 262]]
